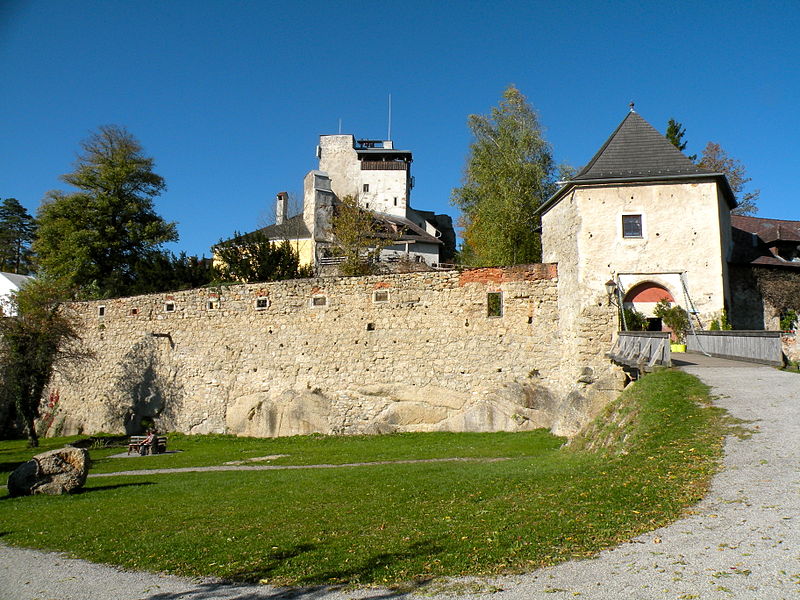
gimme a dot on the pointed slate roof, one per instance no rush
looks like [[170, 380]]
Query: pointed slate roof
[[636, 149], [636, 152]]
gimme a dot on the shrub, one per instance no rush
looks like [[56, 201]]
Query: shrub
[[635, 320], [674, 317], [789, 320]]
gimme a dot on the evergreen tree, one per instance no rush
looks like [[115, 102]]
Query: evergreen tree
[[17, 230], [509, 173], [95, 237], [253, 257], [674, 134], [163, 272]]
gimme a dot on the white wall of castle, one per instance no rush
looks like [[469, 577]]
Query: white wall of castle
[[686, 229], [386, 191]]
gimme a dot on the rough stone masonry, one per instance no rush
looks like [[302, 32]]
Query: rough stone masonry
[[472, 350]]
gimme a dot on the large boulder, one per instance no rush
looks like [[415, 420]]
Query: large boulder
[[55, 472]]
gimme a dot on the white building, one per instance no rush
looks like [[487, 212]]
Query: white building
[[642, 216], [10, 283], [379, 176]]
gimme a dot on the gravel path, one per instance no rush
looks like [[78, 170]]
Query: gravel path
[[742, 541], [294, 467]]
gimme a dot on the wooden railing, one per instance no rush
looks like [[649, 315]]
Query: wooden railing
[[384, 165], [750, 346], [642, 349]]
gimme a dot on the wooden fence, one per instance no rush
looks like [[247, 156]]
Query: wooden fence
[[750, 346], [642, 349]]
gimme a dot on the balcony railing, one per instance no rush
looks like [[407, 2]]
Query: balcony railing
[[384, 165]]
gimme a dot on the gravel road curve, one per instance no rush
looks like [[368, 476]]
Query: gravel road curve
[[742, 541]]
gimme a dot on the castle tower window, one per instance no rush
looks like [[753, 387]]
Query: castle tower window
[[380, 296], [365, 187], [319, 301], [169, 306], [101, 311], [632, 226], [262, 303]]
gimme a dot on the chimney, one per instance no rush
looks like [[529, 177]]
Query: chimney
[[281, 207]]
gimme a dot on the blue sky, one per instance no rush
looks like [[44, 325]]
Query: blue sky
[[230, 97]]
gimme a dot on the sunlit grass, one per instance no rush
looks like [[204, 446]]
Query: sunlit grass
[[387, 523]]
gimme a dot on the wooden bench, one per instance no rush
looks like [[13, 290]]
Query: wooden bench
[[136, 442]]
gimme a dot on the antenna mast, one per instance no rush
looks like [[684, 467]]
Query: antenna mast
[[340, 125], [389, 134]]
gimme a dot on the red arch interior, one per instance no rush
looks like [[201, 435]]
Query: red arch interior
[[648, 292]]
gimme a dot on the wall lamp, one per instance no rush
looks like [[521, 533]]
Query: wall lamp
[[611, 290]]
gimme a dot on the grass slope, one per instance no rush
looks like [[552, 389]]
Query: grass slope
[[659, 444]]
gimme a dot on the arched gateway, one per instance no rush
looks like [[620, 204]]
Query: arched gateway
[[643, 298]]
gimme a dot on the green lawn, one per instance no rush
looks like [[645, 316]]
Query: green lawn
[[390, 523]]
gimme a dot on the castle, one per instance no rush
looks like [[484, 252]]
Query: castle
[[506, 348], [379, 177]]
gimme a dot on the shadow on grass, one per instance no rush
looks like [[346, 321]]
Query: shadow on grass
[[226, 591], [371, 568], [99, 488], [368, 570], [103, 488]]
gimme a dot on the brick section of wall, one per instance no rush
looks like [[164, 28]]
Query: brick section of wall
[[533, 272]]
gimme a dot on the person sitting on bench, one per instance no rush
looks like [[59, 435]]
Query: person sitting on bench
[[148, 445]]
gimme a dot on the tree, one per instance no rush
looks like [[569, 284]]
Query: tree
[[33, 345], [254, 257], [674, 134], [509, 173], [17, 230], [161, 272], [717, 160], [94, 238], [357, 236]]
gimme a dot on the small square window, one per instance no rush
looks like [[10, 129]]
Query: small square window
[[494, 304], [380, 296], [169, 306], [262, 303], [319, 301], [134, 312], [365, 187], [631, 226], [212, 304], [101, 311]]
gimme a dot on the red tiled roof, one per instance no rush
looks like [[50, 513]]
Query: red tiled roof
[[769, 230], [754, 236]]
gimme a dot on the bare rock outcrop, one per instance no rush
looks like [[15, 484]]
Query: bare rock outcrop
[[55, 472]]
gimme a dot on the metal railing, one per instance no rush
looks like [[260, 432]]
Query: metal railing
[[642, 349]]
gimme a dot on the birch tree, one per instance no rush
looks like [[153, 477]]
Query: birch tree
[[508, 174]]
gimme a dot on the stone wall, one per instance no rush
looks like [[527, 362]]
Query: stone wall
[[410, 352]]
